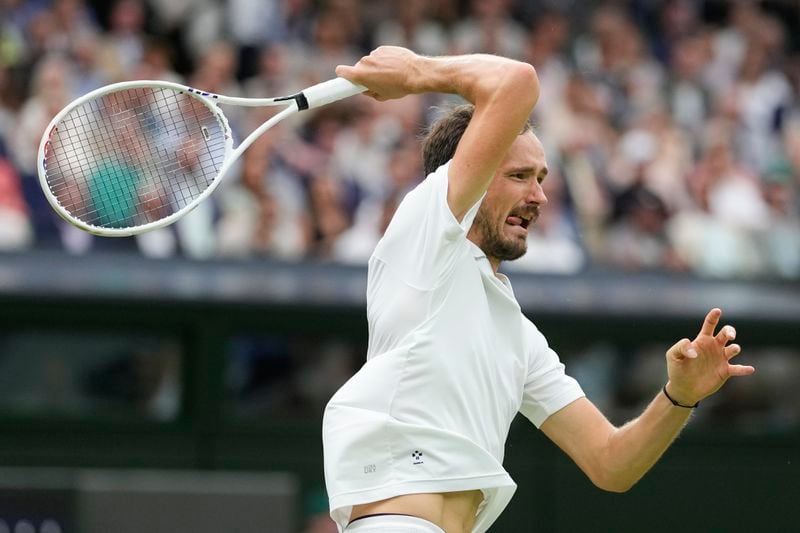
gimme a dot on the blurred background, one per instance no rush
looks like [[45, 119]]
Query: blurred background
[[175, 381]]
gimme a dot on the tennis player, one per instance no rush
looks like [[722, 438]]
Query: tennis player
[[414, 441]]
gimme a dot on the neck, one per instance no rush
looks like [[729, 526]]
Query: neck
[[495, 262]]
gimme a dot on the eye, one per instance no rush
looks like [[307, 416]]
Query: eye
[[542, 175]]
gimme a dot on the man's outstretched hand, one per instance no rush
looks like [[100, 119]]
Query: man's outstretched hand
[[699, 368]]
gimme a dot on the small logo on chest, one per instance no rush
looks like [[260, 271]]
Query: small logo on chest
[[416, 457]]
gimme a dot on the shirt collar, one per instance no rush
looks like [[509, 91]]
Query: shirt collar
[[477, 253], [483, 264]]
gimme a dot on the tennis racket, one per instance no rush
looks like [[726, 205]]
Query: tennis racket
[[135, 156]]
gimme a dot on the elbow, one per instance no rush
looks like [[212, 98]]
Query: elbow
[[611, 482], [608, 471], [525, 74], [616, 487], [507, 83], [524, 82]]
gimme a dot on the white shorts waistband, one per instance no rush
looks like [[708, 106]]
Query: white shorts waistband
[[392, 523]]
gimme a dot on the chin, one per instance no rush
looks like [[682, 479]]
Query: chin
[[514, 251], [516, 256]]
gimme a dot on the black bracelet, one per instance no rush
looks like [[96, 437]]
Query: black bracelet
[[676, 403]]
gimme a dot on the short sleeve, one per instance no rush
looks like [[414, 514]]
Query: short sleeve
[[424, 238], [547, 386]]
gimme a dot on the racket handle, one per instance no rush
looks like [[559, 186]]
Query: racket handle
[[331, 91]]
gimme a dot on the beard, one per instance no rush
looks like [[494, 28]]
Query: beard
[[492, 240]]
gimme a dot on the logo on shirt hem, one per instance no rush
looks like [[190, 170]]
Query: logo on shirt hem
[[416, 457]]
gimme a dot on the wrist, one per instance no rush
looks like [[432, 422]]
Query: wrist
[[678, 400], [441, 74]]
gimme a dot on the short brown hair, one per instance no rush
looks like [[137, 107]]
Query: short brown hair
[[440, 143]]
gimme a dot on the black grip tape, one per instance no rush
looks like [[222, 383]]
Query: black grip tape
[[300, 98]]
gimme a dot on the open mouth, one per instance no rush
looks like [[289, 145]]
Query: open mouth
[[519, 220]]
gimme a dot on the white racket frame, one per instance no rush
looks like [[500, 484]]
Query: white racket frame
[[310, 98]]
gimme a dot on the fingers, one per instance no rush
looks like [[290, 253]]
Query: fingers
[[711, 321], [687, 350], [377, 96], [740, 370], [732, 351], [345, 71], [683, 349], [725, 335], [352, 74]]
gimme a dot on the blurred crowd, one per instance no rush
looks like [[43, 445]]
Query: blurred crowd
[[672, 127]]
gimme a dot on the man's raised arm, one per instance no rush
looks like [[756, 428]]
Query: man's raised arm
[[503, 91]]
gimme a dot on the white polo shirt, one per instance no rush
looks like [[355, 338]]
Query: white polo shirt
[[451, 361]]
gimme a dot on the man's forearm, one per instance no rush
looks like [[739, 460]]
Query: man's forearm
[[696, 369], [616, 458], [475, 77], [635, 447], [503, 91]]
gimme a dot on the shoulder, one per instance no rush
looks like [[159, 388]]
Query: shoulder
[[531, 332], [427, 198]]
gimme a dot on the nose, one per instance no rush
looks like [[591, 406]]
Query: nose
[[536, 194]]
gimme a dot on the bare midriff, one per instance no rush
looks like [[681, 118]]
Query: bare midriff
[[454, 512]]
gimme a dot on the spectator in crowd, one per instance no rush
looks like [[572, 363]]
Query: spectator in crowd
[[547, 50], [52, 83], [329, 218], [717, 238], [375, 211], [671, 22], [638, 239], [687, 98], [124, 43], [360, 153], [272, 73], [253, 222], [489, 27], [16, 232], [52, 89], [760, 97], [156, 63], [781, 240], [8, 102], [578, 127], [330, 45], [410, 25]]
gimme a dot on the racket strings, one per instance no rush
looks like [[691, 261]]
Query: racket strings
[[134, 156]]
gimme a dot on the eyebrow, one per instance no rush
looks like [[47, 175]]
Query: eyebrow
[[529, 170]]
